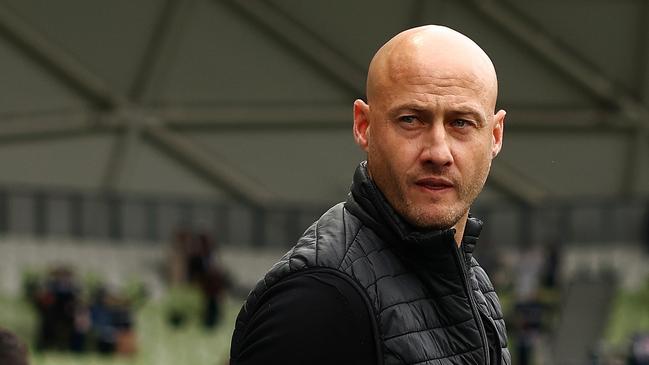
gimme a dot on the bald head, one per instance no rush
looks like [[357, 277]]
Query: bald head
[[436, 50], [429, 125]]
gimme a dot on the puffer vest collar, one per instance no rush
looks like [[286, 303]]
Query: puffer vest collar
[[367, 202]]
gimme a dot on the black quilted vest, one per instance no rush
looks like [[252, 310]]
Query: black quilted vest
[[432, 302]]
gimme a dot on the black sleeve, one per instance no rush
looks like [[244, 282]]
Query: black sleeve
[[309, 318]]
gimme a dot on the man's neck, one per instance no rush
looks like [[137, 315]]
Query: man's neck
[[459, 228]]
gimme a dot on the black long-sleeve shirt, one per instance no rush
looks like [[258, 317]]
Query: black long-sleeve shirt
[[309, 318]]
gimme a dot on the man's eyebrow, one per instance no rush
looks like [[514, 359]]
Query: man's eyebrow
[[470, 110], [410, 106]]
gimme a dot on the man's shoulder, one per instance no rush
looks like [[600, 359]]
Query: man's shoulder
[[318, 258], [484, 283], [330, 237], [324, 244]]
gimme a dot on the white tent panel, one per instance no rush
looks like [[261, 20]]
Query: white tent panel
[[25, 87], [298, 166], [524, 79], [641, 185], [73, 162], [224, 59], [490, 195], [355, 28], [216, 64], [148, 171], [108, 37], [79, 162], [589, 163], [605, 33]]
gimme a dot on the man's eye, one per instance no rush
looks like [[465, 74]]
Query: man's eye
[[408, 119], [461, 123]]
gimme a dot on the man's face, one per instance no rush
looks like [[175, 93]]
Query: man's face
[[430, 136]]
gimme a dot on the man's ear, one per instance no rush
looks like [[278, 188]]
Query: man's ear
[[497, 132], [361, 124]]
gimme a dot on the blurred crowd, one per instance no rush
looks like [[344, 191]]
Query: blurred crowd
[[70, 320], [82, 317]]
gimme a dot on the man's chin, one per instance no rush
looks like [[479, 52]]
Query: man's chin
[[432, 223]]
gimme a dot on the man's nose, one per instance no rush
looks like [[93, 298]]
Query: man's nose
[[436, 146]]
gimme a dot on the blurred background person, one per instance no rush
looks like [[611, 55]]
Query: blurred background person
[[12, 350]]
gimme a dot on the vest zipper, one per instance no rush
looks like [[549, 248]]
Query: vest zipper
[[489, 322], [459, 255]]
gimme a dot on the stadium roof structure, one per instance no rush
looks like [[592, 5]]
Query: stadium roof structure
[[251, 99]]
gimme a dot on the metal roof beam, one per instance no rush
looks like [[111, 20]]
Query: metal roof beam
[[302, 41], [258, 116], [123, 145], [208, 166], [161, 39], [19, 129], [643, 52], [73, 73], [631, 176], [514, 184], [550, 50], [638, 142], [305, 117], [164, 38], [59, 63], [635, 112]]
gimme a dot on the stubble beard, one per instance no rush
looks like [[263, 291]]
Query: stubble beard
[[439, 215]]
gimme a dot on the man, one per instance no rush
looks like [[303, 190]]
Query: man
[[388, 276], [12, 350]]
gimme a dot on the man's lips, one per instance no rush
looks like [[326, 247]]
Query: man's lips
[[434, 183]]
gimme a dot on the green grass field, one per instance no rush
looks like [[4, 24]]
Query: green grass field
[[158, 343], [630, 315]]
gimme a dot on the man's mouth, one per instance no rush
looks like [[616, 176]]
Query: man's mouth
[[434, 183]]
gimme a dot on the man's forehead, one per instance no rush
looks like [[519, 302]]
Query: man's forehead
[[423, 86], [436, 75], [432, 55]]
